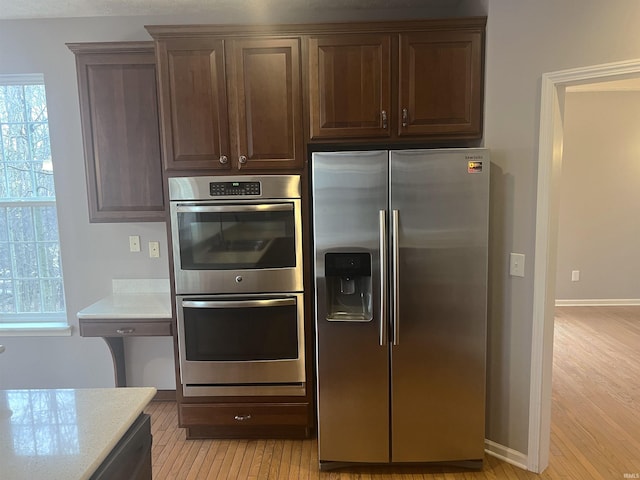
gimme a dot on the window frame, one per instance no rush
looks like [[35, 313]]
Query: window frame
[[34, 323]]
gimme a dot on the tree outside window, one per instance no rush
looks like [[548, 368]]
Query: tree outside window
[[31, 287]]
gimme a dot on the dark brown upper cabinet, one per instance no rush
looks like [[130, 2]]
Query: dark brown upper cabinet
[[229, 103], [193, 103], [350, 85], [264, 80], [120, 130], [397, 81], [440, 84]]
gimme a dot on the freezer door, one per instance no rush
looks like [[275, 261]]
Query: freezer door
[[438, 357], [349, 190]]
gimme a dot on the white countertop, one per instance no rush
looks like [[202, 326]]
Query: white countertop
[[64, 434], [129, 305], [132, 299]]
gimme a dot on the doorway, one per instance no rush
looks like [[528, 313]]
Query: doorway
[[549, 166]]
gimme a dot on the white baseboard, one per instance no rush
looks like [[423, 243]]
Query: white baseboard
[[598, 302], [506, 454]]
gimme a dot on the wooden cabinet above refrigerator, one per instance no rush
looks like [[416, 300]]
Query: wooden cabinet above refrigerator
[[397, 81]]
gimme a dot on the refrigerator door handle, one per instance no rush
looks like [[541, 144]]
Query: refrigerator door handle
[[395, 272], [384, 300]]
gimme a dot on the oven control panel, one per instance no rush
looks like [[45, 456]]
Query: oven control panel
[[227, 189]]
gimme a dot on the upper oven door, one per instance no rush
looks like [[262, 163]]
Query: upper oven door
[[237, 247]]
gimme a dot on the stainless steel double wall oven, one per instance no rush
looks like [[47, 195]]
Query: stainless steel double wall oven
[[237, 260]]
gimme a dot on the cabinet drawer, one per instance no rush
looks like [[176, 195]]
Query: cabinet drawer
[[241, 415], [90, 328]]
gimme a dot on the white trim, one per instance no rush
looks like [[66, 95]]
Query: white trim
[[549, 163], [505, 454], [597, 302], [21, 79], [44, 329]]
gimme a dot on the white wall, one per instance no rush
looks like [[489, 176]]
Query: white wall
[[92, 254], [526, 39], [599, 202]]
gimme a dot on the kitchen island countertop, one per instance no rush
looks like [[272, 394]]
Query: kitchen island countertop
[[64, 433]]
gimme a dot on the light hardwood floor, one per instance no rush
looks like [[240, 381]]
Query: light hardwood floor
[[595, 420]]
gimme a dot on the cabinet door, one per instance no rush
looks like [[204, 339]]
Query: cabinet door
[[265, 98], [119, 113], [349, 85], [193, 103], [441, 89]]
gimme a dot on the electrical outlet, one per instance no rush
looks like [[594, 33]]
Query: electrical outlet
[[134, 243], [154, 249], [516, 265]]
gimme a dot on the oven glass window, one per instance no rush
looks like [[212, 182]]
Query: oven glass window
[[237, 240], [241, 334]]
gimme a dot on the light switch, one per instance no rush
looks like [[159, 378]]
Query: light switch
[[575, 275], [516, 265], [154, 249], [134, 243]]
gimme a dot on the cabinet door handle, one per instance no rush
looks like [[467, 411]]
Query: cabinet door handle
[[125, 331], [405, 117], [242, 160], [242, 418], [223, 159], [384, 119]]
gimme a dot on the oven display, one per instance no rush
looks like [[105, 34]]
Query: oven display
[[224, 189]]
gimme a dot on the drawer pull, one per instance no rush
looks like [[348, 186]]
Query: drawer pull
[[125, 331], [242, 418]]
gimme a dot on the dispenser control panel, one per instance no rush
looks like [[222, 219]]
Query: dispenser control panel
[[357, 264]]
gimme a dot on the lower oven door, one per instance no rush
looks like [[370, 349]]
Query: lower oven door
[[241, 345]]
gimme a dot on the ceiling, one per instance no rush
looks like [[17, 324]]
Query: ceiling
[[23, 9]]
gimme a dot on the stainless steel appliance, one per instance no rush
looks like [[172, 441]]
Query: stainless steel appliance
[[241, 345], [236, 234], [237, 257], [400, 246]]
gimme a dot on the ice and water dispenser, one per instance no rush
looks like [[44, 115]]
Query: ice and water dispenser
[[348, 279]]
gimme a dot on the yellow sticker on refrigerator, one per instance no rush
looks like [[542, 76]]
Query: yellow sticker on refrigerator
[[474, 167]]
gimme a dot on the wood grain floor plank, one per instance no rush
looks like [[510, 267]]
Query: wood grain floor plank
[[256, 462]]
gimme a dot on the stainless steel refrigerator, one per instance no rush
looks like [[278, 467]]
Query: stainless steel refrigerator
[[400, 248]]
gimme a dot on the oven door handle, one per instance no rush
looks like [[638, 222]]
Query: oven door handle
[[271, 302], [265, 207]]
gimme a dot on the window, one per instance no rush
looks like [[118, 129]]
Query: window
[[31, 288]]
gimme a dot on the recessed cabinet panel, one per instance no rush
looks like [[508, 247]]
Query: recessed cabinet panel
[[266, 91], [349, 85], [440, 84], [194, 104], [231, 103], [119, 113], [407, 81]]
